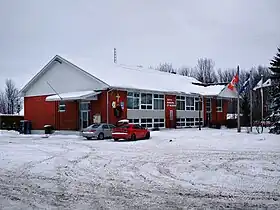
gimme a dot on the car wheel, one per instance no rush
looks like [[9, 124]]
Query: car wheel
[[88, 138], [116, 139], [101, 136], [133, 137], [147, 135]]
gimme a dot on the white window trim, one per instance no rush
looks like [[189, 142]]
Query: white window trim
[[159, 122], [184, 100], [133, 92], [158, 99], [189, 105], [220, 107]]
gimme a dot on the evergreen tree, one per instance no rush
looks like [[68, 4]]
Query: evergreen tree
[[275, 68]]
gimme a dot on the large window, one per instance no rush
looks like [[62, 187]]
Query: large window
[[133, 100], [147, 122], [146, 101], [198, 104], [158, 101], [188, 122], [208, 104], [189, 103], [180, 102], [181, 122], [159, 123], [219, 105]]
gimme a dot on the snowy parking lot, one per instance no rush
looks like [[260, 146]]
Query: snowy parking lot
[[219, 169]]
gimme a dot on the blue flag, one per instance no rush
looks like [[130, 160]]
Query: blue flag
[[245, 85]]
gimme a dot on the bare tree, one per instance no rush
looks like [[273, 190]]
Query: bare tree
[[166, 67], [225, 75], [205, 71], [3, 103], [186, 71], [12, 98]]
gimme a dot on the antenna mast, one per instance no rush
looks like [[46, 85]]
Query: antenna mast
[[115, 55]]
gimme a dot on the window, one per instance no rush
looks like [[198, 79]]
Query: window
[[61, 106], [189, 122], [198, 104], [158, 101], [219, 105], [180, 102], [147, 122], [136, 121], [133, 100], [189, 103], [208, 104], [146, 101], [159, 123], [136, 126], [111, 126], [181, 122], [84, 106], [197, 121], [105, 127]]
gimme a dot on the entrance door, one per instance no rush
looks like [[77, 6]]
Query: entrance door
[[84, 119]]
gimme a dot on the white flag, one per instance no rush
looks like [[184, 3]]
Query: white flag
[[259, 85], [267, 83]]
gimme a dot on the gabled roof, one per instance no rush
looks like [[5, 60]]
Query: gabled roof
[[59, 59], [135, 78]]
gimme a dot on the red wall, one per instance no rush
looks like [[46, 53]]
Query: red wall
[[41, 112], [217, 116], [100, 106], [170, 105]]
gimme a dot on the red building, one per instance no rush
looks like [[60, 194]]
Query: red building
[[70, 97]]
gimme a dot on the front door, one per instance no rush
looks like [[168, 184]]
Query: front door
[[84, 119]]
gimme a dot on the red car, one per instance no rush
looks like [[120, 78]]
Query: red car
[[130, 132]]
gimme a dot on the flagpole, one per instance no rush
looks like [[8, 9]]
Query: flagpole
[[262, 97], [238, 104], [251, 102]]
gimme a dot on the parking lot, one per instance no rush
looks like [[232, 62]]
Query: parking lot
[[175, 169]]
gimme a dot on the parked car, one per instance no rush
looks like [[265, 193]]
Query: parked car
[[130, 132], [98, 131]]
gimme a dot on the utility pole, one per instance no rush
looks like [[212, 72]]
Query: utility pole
[[238, 103]]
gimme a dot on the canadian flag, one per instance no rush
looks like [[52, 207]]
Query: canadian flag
[[233, 82]]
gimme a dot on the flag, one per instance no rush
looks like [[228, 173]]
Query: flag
[[245, 85], [233, 82], [267, 83], [259, 84]]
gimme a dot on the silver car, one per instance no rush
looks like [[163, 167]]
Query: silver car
[[98, 131]]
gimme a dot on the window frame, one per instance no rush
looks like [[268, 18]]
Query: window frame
[[146, 104], [145, 124], [182, 101], [134, 98], [192, 106], [160, 121], [160, 98], [220, 107]]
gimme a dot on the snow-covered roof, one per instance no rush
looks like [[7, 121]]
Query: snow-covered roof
[[72, 96], [135, 78], [139, 78]]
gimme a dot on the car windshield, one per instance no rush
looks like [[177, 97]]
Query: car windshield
[[94, 126]]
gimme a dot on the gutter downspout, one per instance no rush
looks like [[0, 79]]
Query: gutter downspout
[[108, 104]]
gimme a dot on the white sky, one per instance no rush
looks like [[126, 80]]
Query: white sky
[[146, 32]]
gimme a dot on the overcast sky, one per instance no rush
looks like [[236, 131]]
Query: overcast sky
[[146, 32]]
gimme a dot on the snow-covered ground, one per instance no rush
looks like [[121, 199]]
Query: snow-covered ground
[[198, 169]]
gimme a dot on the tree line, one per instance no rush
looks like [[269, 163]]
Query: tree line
[[205, 72], [10, 101]]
